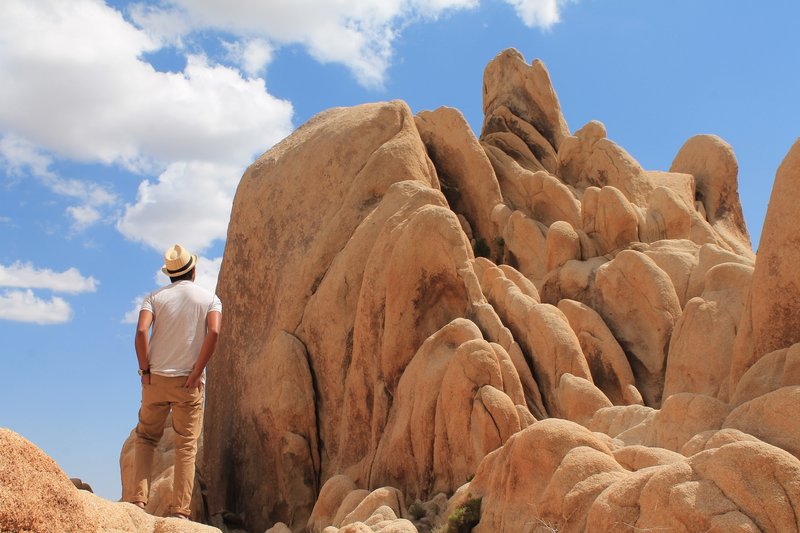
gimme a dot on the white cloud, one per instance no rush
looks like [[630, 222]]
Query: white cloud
[[91, 194], [190, 204], [26, 276], [75, 84], [208, 272], [17, 155], [358, 33], [253, 55], [538, 13], [83, 216], [132, 316], [24, 306], [163, 26]]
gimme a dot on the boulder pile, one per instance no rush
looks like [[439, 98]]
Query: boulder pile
[[418, 319]]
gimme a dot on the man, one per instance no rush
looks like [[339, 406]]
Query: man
[[186, 321]]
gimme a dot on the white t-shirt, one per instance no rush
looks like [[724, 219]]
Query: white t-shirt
[[179, 326]]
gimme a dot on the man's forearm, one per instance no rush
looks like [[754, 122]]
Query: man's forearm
[[141, 339], [141, 349], [206, 351], [213, 321]]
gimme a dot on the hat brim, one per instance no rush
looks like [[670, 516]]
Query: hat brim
[[186, 268]]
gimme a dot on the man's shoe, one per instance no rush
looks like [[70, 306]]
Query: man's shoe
[[140, 505], [179, 515]]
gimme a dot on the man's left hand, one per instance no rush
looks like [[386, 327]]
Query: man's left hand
[[193, 381]]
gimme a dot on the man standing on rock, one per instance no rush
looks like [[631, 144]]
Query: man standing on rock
[[186, 321]]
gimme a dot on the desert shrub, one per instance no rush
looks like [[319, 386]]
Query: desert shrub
[[465, 517]]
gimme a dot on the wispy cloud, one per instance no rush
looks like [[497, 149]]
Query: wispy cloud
[[19, 156], [83, 216], [252, 55], [26, 276], [132, 315], [25, 306], [539, 13]]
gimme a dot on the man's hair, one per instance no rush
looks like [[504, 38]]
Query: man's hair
[[186, 276]]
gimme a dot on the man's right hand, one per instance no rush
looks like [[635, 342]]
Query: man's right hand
[[146, 379]]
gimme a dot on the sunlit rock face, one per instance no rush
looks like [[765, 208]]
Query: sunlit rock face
[[36, 495], [416, 317]]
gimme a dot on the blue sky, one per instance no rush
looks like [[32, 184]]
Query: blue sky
[[125, 126]]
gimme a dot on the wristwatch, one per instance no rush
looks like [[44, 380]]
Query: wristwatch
[[144, 372]]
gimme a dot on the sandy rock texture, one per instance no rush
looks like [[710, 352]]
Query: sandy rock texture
[[37, 496], [418, 318]]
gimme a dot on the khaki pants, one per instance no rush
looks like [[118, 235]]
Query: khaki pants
[[161, 395]]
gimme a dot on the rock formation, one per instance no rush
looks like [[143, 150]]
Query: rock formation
[[521, 331], [37, 496], [420, 321], [375, 359]]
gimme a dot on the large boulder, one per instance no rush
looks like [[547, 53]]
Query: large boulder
[[465, 173], [457, 400], [36, 495], [607, 362], [558, 476], [639, 303], [743, 486], [548, 474], [770, 417], [526, 92], [702, 344], [772, 318], [284, 237], [713, 164]]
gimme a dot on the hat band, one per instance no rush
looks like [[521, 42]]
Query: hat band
[[178, 270]]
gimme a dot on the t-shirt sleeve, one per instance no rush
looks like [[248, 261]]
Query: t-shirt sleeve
[[216, 305], [147, 303]]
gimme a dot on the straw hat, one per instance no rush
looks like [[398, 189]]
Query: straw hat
[[178, 261]]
